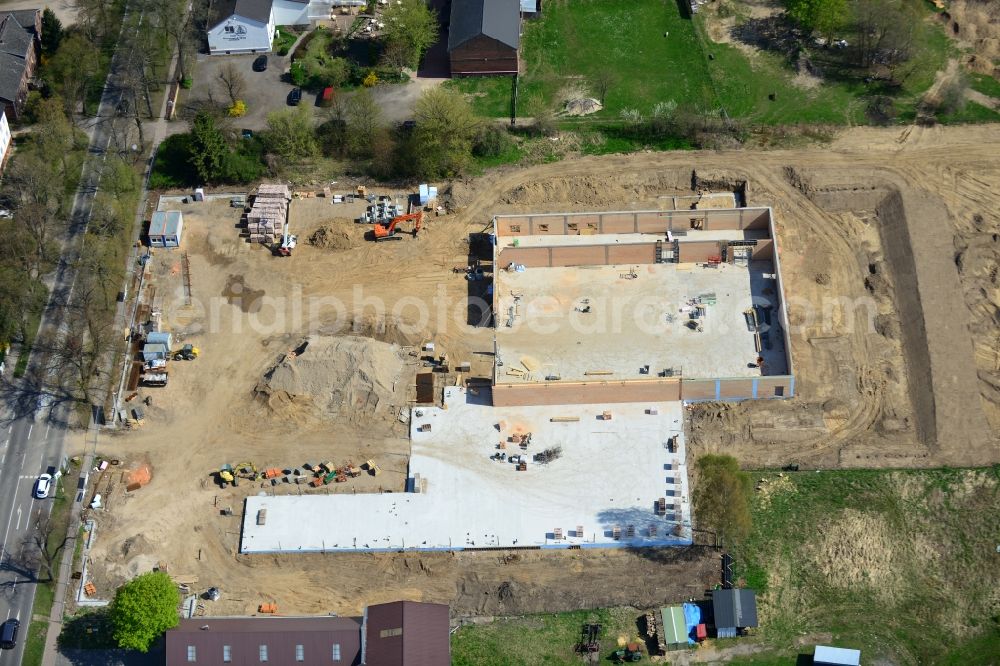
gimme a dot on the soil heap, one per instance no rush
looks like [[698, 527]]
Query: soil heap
[[327, 376]]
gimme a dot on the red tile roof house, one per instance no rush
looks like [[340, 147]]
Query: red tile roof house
[[402, 633], [20, 35]]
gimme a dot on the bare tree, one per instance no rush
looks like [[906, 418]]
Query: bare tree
[[603, 81], [233, 81], [43, 546]]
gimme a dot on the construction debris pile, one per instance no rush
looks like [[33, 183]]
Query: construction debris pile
[[268, 212], [315, 475], [330, 375]]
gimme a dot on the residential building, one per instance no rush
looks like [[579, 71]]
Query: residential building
[[20, 34], [484, 37], [734, 610], [240, 26], [309, 641], [406, 633], [4, 139], [401, 633]]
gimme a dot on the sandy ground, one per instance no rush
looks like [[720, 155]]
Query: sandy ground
[[862, 392]]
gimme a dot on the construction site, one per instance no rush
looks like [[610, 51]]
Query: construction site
[[342, 415]]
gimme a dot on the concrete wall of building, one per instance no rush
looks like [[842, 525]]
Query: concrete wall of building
[[578, 393], [698, 251], [624, 222], [698, 389], [582, 255], [763, 250]]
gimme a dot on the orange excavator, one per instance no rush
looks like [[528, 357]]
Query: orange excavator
[[383, 232]]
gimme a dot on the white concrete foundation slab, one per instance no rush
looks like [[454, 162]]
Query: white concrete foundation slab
[[610, 474]]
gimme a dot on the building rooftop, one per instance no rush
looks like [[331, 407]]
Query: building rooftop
[[599, 323], [734, 607], [468, 500], [497, 19]]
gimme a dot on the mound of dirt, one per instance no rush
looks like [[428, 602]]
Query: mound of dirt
[[583, 106], [330, 375], [329, 237]]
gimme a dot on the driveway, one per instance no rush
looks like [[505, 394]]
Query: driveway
[[397, 100], [265, 91]]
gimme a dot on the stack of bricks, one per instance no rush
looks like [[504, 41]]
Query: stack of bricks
[[268, 212]]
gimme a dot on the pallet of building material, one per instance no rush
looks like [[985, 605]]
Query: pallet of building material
[[564, 419], [269, 608], [317, 482], [89, 589], [616, 533], [591, 373]]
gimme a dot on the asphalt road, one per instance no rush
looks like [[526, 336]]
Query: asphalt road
[[34, 411]]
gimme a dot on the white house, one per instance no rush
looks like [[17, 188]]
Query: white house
[[4, 138], [241, 26]]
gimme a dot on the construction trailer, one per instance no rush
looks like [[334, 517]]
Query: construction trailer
[[166, 229], [672, 632], [825, 655]]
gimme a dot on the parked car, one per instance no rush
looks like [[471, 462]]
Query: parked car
[[295, 96], [8, 633], [260, 64], [42, 486], [326, 97]]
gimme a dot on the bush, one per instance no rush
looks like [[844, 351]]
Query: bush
[[297, 72], [492, 141], [370, 80], [238, 109], [187, 82], [171, 168]]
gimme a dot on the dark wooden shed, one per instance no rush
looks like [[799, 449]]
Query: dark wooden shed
[[483, 37]]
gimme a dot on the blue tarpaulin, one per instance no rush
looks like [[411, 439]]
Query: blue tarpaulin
[[692, 618]]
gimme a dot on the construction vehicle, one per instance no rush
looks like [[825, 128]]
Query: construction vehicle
[[155, 379], [186, 353], [231, 473], [630, 653], [381, 232], [288, 243]]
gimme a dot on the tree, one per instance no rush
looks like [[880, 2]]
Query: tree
[[54, 134], [208, 148], [885, 31], [446, 127], [233, 81], [411, 26], [291, 134], [41, 540], [363, 118], [603, 81], [395, 55], [179, 25], [722, 498], [822, 16], [143, 609], [52, 32], [72, 69]]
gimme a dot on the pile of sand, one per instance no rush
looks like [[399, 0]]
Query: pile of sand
[[332, 238], [337, 374]]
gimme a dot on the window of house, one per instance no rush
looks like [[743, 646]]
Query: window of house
[[263, 653], [543, 228], [227, 653], [230, 28], [300, 653], [336, 651], [779, 391], [192, 653], [515, 228]]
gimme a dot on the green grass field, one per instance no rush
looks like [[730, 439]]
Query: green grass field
[[655, 54], [548, 638], [900, 564]]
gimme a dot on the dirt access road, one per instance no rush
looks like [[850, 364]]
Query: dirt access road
[[898, 228]]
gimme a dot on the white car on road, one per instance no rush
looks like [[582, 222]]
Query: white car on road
[[42, 486]]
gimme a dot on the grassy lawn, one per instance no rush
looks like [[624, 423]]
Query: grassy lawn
[[548, 638], [900, 564], [972, 113], [283, 41], [655, 54]]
